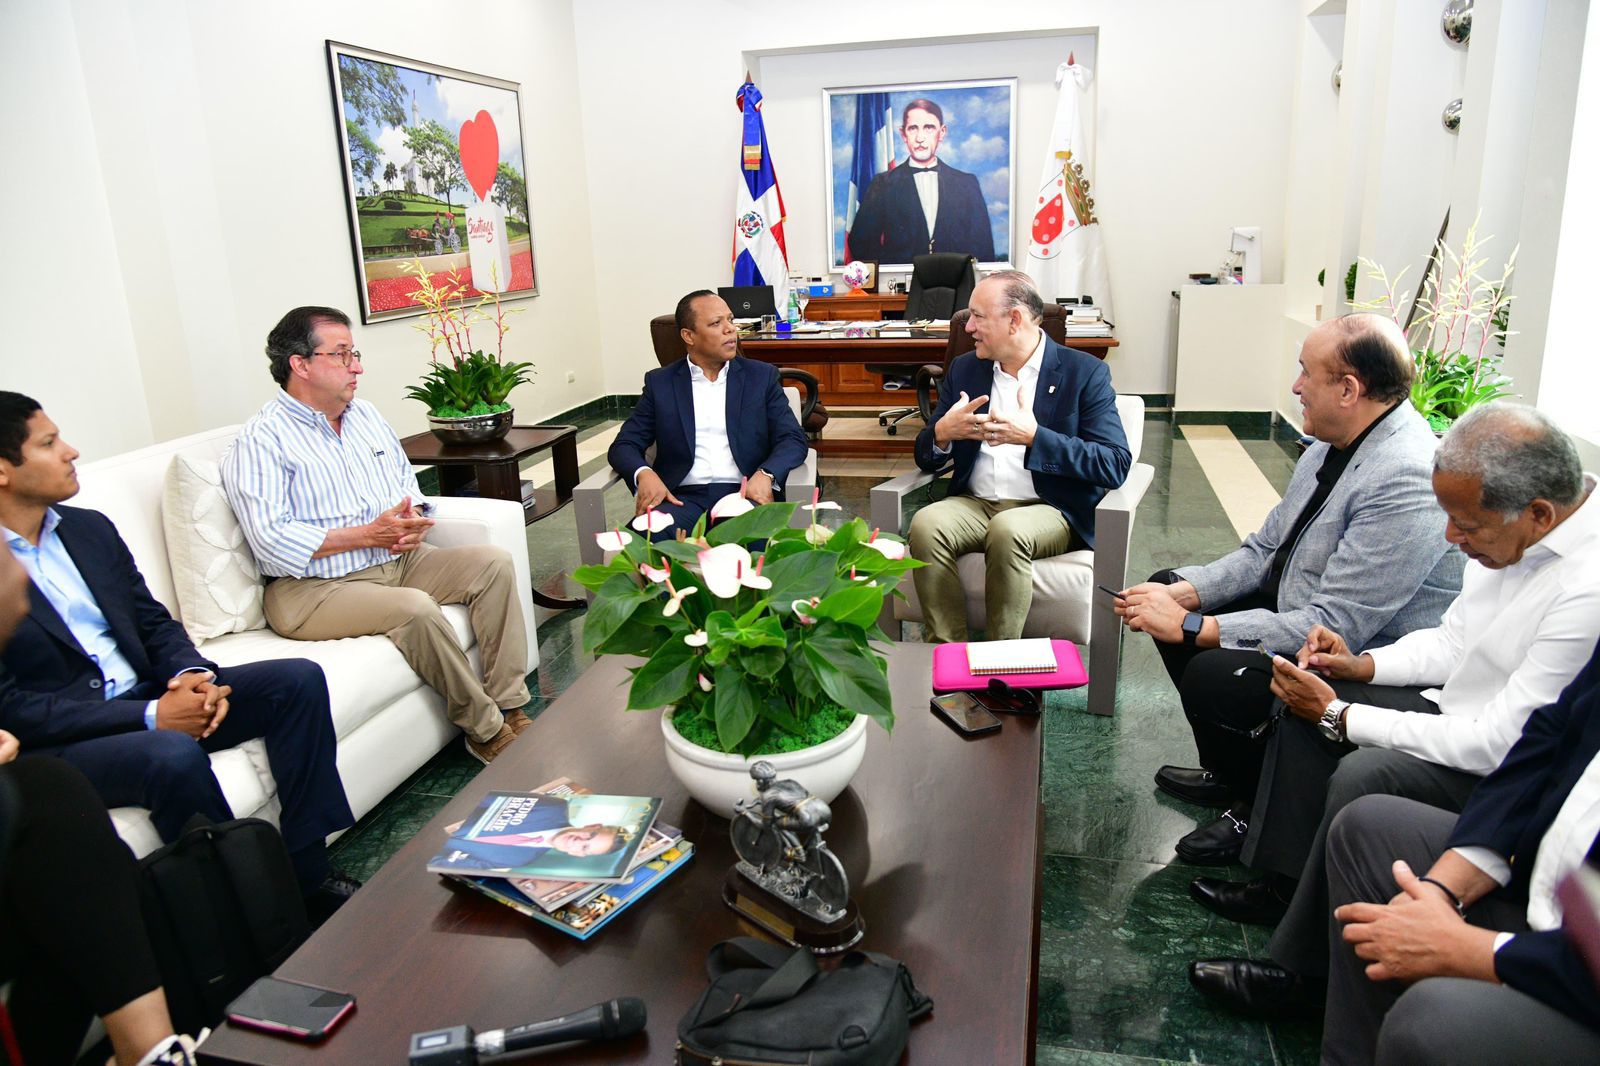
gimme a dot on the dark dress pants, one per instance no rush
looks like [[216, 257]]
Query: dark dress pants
[[73, 936], [1363, 843], [1221, 707], [282, 701]]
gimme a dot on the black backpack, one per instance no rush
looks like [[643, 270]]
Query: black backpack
[[767, 1004], [223, 908]]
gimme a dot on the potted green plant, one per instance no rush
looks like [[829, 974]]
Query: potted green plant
[[1458, 333], [465, 392], [756, 639]]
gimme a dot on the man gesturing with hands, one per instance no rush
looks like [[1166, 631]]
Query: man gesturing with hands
[[101, 675], [1036, 440]]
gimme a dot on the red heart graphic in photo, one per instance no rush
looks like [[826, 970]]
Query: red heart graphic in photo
[[480, 153]]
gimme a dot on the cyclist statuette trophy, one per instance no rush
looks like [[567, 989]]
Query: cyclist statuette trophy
[[786, 880]]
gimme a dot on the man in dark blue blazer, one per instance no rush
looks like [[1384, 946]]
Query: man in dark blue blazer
[[1037, 442], [101, 675], [717, 421], [1478, 938], [892, 225]]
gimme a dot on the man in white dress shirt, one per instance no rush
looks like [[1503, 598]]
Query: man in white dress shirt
[[1520, 507], [1036, 440], [720, 424], [333, 513]]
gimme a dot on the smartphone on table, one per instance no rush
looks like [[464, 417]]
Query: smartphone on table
[[305, 1012], [962, 712]]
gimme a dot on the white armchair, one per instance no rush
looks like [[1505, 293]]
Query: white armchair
[[1065, 605], [589, 498]]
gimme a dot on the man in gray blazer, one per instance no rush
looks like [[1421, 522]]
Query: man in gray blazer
[[1356, 545]]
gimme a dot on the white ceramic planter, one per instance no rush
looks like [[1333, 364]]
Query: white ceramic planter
[[718, 780]]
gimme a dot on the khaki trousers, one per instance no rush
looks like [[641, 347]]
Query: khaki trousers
[[1009, 533], [401, 600]]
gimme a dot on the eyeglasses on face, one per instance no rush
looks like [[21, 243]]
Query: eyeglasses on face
[[345, 358]]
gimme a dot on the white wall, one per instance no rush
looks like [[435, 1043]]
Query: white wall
[[1193, 128], [186, 192]]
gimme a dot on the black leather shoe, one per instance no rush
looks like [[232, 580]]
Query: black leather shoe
[[1256, 902], [1256, 989], [1193, 786], [329, 896], [1219, 843]]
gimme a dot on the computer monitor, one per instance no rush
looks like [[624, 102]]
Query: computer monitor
[[748, 301]]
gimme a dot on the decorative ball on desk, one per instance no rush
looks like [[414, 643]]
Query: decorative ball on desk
[[856, 275]]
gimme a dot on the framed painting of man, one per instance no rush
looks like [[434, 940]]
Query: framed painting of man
[[435, 179], [918, 168]]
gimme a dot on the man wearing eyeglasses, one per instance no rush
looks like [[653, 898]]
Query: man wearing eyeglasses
[[338, 524]]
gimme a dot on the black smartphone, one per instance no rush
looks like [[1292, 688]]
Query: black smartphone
[[1109, 591], [963, 713], [305, 1012]]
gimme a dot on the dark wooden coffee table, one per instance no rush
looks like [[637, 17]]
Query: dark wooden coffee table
[[940, 837]]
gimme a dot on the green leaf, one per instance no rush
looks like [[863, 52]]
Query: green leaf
[[734, 704], [807, 688], [679, 551], [636, 637], [849, 535], [800, 577], [597, 574], [857, 605], [757, 524], [776, 711], [762, 662], [665, 679], [614, 604], [852, 680]]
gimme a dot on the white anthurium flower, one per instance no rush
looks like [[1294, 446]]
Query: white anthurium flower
[[731, 506], [613, 540], [802, 610], [676, 599], [655, 576], [816, 534], [652, 521], [705, 682], [727, 568], [697, 639], [821, 505], [889, 549]]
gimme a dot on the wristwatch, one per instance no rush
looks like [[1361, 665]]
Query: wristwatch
[[770, 475], [1191, 627], [1332, 722]]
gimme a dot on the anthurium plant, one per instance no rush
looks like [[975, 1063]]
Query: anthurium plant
[[759, 634], [468, 380]]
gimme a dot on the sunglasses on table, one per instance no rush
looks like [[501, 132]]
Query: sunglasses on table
[[1003, 699]]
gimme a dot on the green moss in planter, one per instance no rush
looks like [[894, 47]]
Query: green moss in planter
[[819, 728]]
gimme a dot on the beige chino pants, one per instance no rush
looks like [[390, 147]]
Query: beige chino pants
[[1009, 533], [401, 600]]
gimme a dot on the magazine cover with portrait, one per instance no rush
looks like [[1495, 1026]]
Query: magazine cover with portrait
[[529, 834], [920, 168]]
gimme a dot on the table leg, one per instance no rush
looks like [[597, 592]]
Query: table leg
[[500, 481], [564, 455]]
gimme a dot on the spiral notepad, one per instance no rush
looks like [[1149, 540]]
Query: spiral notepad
[[1030, 656]]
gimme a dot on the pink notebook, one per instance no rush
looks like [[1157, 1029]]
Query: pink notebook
[[950, 673]]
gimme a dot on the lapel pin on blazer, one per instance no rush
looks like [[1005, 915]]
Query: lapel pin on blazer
[[1050, 391]]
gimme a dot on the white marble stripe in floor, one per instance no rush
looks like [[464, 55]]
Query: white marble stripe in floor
[[1243, 490]]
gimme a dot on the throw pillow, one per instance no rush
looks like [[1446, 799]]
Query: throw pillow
[[213, 571]]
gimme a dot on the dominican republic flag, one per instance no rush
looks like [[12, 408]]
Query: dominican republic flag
[[872, 153], [1066, 250], [759, 257]]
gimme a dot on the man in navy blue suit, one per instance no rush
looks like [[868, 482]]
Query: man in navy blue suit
[[1469, 961], [715, 420], [1037, 442], [101, 675]]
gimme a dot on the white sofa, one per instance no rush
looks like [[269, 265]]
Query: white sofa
[[388, 722]]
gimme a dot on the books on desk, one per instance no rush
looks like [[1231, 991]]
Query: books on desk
[[510, 834]]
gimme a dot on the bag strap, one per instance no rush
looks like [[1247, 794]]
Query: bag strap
[[788, 978], [742, 953]]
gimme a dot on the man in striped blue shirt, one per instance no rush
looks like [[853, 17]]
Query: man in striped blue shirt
[[334, 515]]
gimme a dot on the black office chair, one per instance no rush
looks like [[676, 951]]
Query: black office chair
[[941, 285]]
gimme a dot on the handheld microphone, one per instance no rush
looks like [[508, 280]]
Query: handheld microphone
[[457, 1046]]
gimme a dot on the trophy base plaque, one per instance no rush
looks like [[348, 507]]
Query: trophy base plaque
[[788, 923]]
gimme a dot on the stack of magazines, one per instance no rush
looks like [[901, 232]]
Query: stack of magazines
[[562, 855]]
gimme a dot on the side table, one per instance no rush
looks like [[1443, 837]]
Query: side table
[[492, 470]]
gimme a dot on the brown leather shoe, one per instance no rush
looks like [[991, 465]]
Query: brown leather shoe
[[518, 722], [485, 751]]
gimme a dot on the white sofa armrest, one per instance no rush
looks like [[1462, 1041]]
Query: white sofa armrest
[[466, 520], [886, 502], [1113, 529]]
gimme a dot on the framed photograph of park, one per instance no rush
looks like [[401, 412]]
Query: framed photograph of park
[[899, 156], [435, 179]]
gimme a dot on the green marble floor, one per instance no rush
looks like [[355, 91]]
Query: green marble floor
[[1117, 927]]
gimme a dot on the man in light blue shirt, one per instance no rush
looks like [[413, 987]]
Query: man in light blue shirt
[[101, 675], [333, 513]]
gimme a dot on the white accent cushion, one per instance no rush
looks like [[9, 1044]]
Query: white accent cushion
[[213, 571]]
